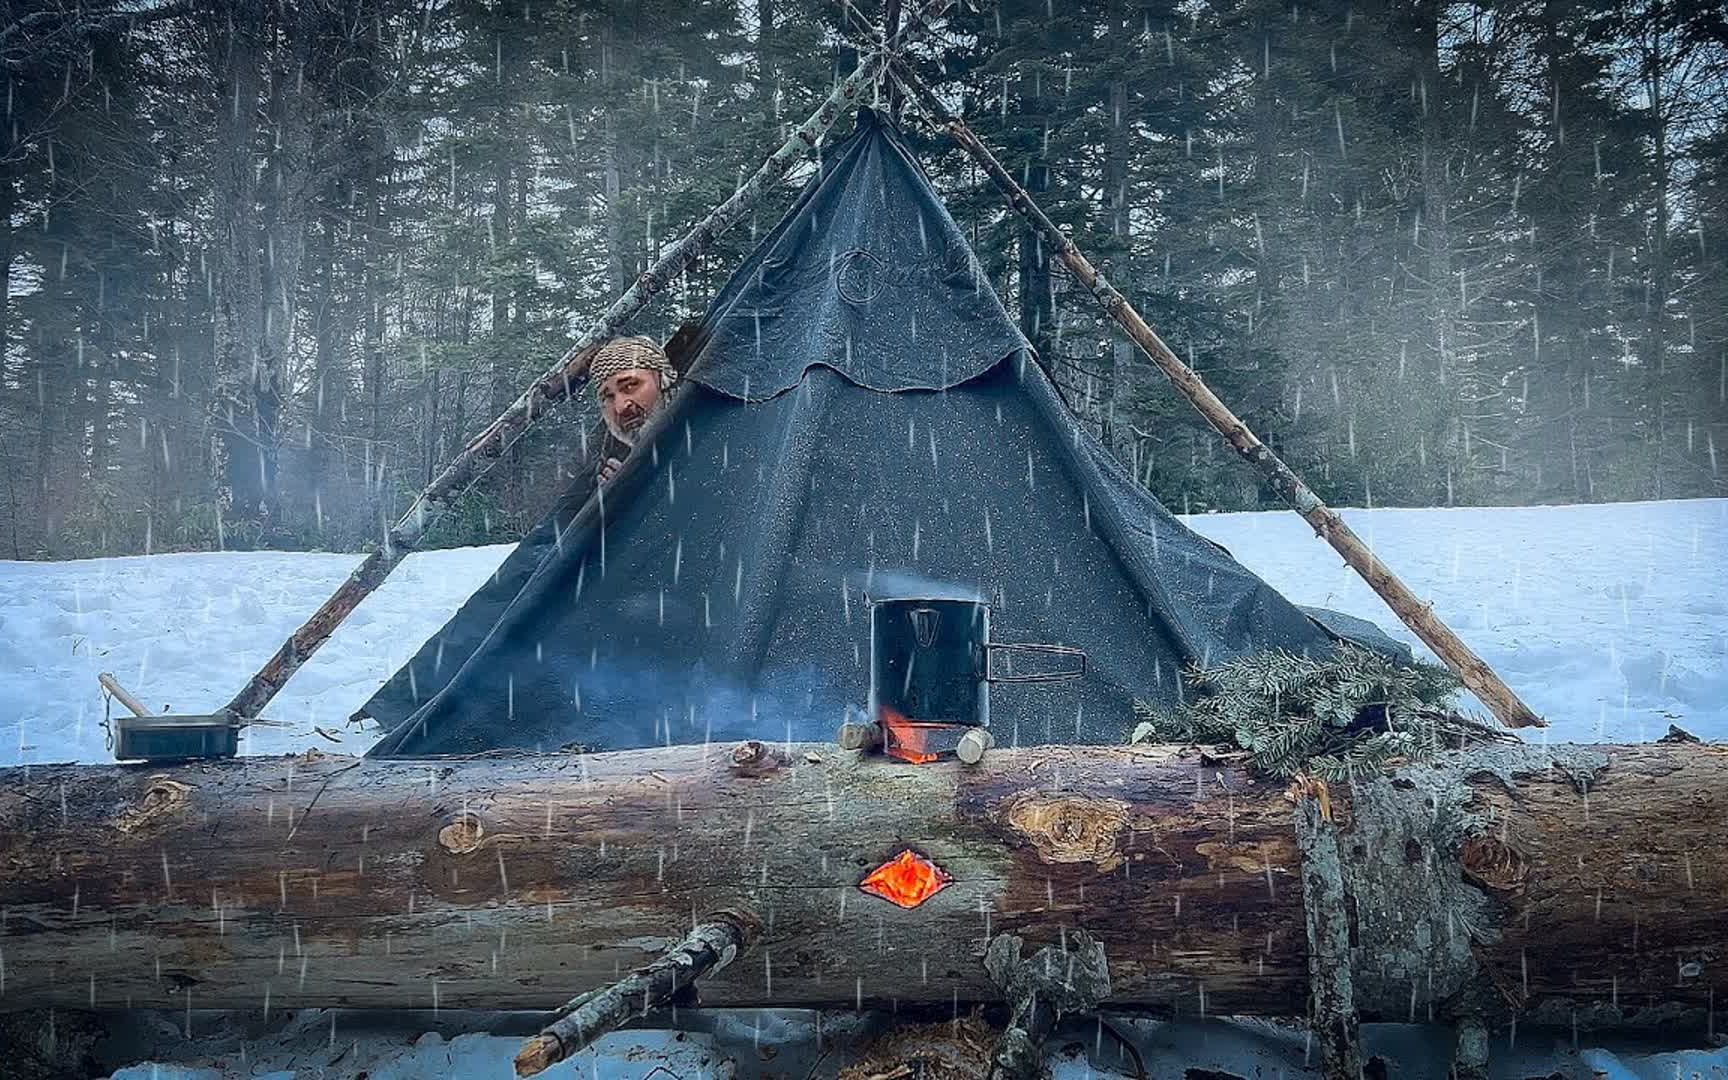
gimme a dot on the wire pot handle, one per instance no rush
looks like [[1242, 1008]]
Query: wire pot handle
[[991, 648]]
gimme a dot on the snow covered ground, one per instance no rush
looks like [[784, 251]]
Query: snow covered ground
[[1610, 620]]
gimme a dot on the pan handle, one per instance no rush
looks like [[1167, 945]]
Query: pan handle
[[1041, 676]]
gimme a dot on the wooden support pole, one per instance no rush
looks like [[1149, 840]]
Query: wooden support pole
[[558, 382], [1418, 616], [710, 947]]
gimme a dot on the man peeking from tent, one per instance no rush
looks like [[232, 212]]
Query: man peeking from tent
[[631, 377]]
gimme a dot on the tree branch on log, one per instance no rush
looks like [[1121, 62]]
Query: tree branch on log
[[1417, 615], [709, 948]]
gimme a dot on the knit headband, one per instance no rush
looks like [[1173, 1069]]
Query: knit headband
[[625, 353]]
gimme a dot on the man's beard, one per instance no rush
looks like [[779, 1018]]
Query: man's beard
[[629, 424]]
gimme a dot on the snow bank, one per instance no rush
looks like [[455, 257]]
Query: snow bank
[[1611, 620]]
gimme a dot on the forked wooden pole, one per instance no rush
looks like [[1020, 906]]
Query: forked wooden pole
[[1418, 616], [558, 382]]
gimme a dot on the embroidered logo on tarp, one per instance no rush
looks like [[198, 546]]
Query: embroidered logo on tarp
[[858, 276]]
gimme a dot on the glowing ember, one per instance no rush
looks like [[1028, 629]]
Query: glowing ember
[[908, 879], [905, 738]]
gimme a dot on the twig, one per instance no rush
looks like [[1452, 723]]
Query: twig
[[585, 1018], [1128, 1045]]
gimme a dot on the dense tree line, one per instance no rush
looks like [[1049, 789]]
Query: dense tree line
[[268, 264]]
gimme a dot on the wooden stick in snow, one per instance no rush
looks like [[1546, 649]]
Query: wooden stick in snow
[[558, 382], [709, 948], [121, 694], [1418, 616]]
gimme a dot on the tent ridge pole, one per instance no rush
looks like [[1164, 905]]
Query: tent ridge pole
[[556, 384], [1471, 669]]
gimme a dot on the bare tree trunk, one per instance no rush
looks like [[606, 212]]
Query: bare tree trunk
[[1268, 270], [619, 266], [53, 379], [1128, 377], [8, 202], [104, 356], [328, 380], [767, 61], [1037, 301], [293, 104], [503, 374], [371, 333], [234, 458], [1435, 210], [1656, 360]]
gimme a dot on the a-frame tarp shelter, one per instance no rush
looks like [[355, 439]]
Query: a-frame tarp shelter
[[863, 421]]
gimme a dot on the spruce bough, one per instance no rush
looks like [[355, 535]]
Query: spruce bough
[[1334, 718]]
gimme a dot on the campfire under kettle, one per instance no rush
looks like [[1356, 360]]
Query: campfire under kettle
[[931, 666]]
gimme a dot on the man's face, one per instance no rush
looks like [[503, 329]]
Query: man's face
[[626, 401]]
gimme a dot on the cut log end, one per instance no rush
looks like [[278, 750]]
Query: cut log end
[[538, 1054]]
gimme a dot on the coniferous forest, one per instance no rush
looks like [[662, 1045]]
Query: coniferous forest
[[269, 264]]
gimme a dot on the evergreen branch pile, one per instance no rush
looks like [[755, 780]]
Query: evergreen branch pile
[[1334, 718]]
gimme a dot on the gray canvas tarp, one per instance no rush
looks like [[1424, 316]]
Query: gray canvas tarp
[[863, 421]]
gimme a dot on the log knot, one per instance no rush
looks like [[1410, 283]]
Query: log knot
[[462, 835], [162, 799], [756, 758], [1494, 864], [1071, 828]]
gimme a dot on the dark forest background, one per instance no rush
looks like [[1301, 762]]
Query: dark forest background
[[267, 265]]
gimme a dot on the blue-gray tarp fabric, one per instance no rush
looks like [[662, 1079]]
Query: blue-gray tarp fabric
[[863, 421]]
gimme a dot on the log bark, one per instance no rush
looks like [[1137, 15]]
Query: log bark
[[556, 384], [1418, 616], [1575, 884]]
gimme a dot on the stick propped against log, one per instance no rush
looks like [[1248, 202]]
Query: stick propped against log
[[708, 949], [1565, 881]]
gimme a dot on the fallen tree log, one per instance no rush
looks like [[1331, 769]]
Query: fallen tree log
[[1575, 882]]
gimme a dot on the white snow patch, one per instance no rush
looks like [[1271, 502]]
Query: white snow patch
[[1610, 620]]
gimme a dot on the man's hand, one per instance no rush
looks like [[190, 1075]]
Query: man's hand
[[609, 468]]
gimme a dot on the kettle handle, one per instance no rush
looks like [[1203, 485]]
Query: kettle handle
[[1041, 676]]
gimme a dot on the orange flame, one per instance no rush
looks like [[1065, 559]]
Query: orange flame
[[905, 738], [908, 879]]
